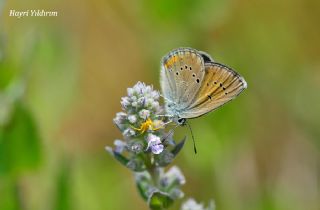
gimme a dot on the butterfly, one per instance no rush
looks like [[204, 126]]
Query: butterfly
[[193, 84]]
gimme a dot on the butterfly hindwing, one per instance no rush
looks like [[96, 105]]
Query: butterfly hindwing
[[182, 72], [220, 85]]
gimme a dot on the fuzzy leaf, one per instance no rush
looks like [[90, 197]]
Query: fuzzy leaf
[[143, 187], [122, 159], [159, 201], [178, 147], [20, 145]]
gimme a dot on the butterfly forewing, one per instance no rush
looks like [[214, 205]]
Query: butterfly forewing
[[220, 85], [182, 72]]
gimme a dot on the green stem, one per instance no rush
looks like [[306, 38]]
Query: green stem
[[153, 171], [19, 195]]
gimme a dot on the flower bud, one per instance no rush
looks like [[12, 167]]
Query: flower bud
[[132, 119], [135, 146], [129, 132], [119, 145], [144, 114]]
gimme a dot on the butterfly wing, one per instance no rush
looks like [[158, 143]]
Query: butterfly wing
[[219, 86], [182, 72]]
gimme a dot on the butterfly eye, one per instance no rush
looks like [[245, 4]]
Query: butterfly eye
[[182, 121]]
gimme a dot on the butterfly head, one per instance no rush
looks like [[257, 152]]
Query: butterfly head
[[181, 121], [178, 120]]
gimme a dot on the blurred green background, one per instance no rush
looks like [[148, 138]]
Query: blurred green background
[[61, 79]]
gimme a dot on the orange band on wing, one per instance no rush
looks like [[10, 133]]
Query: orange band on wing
[[170, 62]]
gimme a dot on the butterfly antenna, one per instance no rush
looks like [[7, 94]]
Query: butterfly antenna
[[170, 132], [194, 142]]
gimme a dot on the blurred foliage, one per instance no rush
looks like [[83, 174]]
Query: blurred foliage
[[19, 143], [63, 199], [160, 201], [261, 151]]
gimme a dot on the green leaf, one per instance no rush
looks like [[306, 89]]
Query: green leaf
[[178, 147], [9, 198], [159, 201], [143, 186], [135, 163], [122, 159], [20, 148], [63, 194]]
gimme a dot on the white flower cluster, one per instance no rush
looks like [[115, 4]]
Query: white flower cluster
[[141, 97], [140, 104], [139, 116]]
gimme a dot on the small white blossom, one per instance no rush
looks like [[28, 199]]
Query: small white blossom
[[141, 101], [130, 91], [138, 88], [144, 113], [120, 118], [177, 193], [129, 132], [154, 143], [136, 148], [155, 94], [134, 98], [119, 145], [191, 204], [175, 174], [149, 102], [155, 105], [132, 119], [147, 89], [125, 101], [121, 115]]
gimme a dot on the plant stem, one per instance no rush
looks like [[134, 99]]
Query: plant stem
[[153, 171]]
